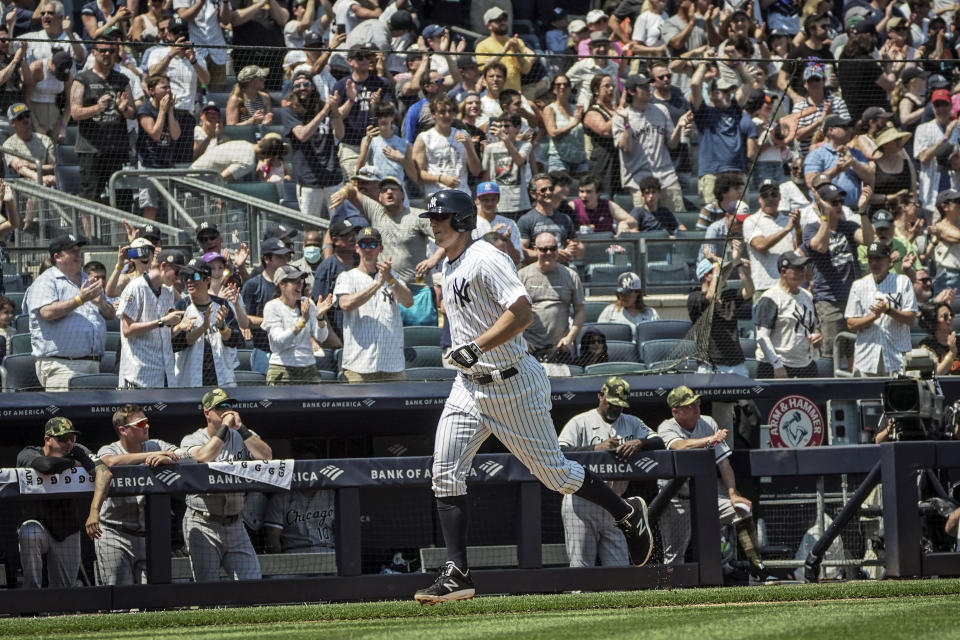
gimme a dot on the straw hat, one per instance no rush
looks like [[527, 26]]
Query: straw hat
[[889, 134]]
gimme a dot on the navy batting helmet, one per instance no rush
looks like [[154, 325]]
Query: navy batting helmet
[[457, 203]]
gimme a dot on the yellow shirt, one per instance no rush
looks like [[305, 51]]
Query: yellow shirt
[[516, 67]]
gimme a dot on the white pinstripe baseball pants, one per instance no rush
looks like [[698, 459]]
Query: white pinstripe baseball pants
[[517, 412]]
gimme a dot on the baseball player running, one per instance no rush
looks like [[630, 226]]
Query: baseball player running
[[588, 530], [500, 390]]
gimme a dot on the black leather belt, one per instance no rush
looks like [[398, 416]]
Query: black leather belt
[[95, 358], [487, 378], [221, 520]]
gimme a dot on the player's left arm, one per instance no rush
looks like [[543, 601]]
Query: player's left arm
[[730, 482]]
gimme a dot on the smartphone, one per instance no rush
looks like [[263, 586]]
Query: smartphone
[[137, 253], [339, 29]]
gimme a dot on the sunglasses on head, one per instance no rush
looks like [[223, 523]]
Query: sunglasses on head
[[368, 244]]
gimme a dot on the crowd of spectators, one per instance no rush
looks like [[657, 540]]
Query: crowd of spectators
[[796, 130]]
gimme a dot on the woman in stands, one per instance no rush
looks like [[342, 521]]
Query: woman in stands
[[593, 348], [598, 125], [146, 26], [290, 320], [629, 308], [937, 320], [895, 174], [249, 103], [563, 123]]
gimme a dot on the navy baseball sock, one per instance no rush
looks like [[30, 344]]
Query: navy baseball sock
[[453, 522], [596, 491]]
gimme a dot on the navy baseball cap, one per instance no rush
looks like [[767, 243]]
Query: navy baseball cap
[[207, 226], [948, 195], [486, 188]]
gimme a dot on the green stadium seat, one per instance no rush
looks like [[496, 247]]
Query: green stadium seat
[[416, 336], [260, 190], [246, 132]]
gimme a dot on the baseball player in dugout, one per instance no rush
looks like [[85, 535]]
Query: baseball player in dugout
[[121, 549], [212, 526], [590, 533], [499, 390], [51, 528], [688, 429]]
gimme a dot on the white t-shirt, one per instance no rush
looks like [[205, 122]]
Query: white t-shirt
[[648, 29], [182, 75], [885, 338], [373, 332], [205, 29], [286, 347], [763, 265]]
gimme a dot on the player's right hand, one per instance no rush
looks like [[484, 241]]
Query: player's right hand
[[465, 356]]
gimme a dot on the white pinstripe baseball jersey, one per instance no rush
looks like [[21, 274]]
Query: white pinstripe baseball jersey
[[477, 288], [147, 358], [885, 339]]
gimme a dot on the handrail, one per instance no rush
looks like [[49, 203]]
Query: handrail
[[38, 163], [176, 206], [275, 209], [89, 207], [123, 174]]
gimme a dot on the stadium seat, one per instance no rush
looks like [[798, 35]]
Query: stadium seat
[[67, 154], [271, 128], [243, 358], [594, 309], [749, 347], [19, 343], [688, 219], [416, 336], [423, 356], [94, 381], [246, 132], [916, 339], [68, 178], [621, 351], [108, 363], [665, 349], [625, 200], [326, 375], [610, 330], [71, 134], [16, 297], [288, 194], [114, 324], [656, 329], [21, 323], [825, 368], [113, 341], [669, 275], [430, 373], [19, 374], [613, 368], [261, 190], [16, 282], [249, 378], [605, 274], [219, 97]]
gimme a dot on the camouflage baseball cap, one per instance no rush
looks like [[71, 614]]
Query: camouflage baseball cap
[[57, 427], [616, 391], [212, 398], [681, 396]]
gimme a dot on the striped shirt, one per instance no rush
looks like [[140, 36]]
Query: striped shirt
[[885, 338], [478, 287], [146, 360], [839, 108]]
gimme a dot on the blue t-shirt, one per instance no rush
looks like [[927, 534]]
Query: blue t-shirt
[[824, 158], [723, 135], [355, 124], [256, 293], [833, 272]]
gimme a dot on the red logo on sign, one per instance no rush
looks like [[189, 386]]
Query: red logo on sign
[[795, 421]]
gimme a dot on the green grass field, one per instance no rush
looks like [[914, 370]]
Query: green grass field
[[852, 611]]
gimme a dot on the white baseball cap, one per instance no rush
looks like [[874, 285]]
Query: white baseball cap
[[595, 15], [576, 26]]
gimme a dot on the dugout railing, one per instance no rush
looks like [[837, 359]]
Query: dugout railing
[[898, 465]]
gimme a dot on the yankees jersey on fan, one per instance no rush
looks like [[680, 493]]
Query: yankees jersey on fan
[[784, 324], [306, 521], [146, 360], [589, 428], [884, 338], [127, 511], [217, 504], [373, 332], [478, 287]]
